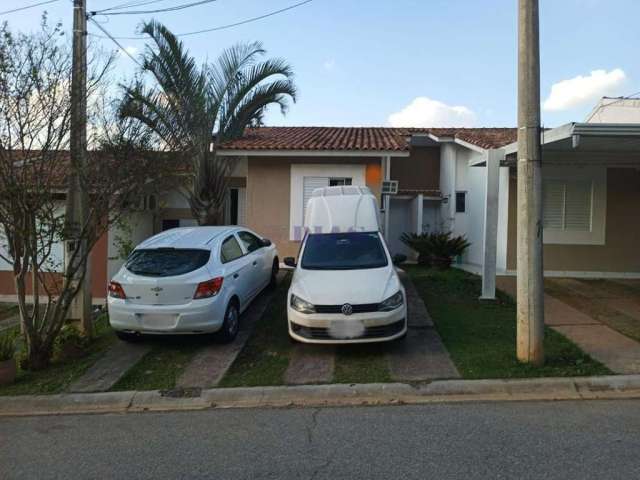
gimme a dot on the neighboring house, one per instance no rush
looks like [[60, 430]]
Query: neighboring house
[[461, 180]]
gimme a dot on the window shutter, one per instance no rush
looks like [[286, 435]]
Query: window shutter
[[578, 200], [553, 204], [310, 184]]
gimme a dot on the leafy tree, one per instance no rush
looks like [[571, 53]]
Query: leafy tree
[[35, 78], [194, 109]]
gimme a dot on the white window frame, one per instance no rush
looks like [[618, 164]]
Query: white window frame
[[357, 173], [597, 176]]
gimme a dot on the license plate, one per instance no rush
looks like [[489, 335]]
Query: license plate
[[158, 321], [346, 329]]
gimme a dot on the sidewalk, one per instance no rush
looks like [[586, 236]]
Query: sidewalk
[[617, 352], [438, 391]]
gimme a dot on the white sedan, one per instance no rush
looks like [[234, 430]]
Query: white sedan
[[191, 280]]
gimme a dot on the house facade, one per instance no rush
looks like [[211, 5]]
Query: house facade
[[457, 179]]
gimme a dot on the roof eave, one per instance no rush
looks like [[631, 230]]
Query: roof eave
[[311, 153]]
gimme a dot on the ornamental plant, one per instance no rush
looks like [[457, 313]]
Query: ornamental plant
[[436, 249]]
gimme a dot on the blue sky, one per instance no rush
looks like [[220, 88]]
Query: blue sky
[[407, 62]]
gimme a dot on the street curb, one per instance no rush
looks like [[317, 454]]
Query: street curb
[[439, 391]]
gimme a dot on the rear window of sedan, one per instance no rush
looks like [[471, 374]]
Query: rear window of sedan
[[166, 262]]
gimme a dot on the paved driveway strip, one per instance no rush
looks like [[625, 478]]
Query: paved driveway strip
[[310, 364], [421, 355], [111, 367], [210, 364]]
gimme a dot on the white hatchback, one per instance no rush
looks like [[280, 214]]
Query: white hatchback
[[191, 280]]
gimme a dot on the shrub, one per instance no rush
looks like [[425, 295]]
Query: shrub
[[7, 346], [70, 343], [435, 249]]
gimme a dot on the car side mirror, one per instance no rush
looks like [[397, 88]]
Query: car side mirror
[[399, 259], [265, 242], [290, 262]]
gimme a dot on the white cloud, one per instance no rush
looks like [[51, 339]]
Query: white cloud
[[329, 64], [580, 90], [425, 112]]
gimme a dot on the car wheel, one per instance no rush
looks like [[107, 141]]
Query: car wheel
[[275, 268], [127, 337], [231, 324]]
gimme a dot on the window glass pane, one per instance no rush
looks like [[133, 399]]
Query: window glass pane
[[578, 206], [339, 182], [461, 202], [166, 262], [343, 251], [251, 242], [553, 204], [230, 250]]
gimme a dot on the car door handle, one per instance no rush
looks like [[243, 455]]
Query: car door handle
[[255, 263], [235, 275]]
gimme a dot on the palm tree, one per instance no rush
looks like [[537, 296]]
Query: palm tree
[[193, 110]]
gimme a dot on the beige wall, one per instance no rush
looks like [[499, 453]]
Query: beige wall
[[268, 195], [419, 171], [620, 253]]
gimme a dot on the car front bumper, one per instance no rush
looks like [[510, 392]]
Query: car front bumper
[[342, 329], [197, 316]]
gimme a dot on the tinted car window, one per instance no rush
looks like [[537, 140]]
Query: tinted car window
[[343, 251], [166, 262], [230, 250], [251, 242]]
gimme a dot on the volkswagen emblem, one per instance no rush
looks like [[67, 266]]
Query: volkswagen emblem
[[347, 309]]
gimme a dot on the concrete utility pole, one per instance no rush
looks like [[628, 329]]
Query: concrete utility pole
[[530, 274], [77, 199]]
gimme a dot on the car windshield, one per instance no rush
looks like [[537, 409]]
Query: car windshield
[[343, 251], [166, 262]]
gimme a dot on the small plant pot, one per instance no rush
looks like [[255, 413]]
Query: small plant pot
[[8, 370]]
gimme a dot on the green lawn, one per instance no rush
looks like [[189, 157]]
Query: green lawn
[[481, 337], [265, 357], [160, 368], [59, 375], [366, 363]]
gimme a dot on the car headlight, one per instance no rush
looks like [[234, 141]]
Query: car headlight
[[302, 306], [394, 301]]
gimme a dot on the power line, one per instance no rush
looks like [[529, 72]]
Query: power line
[[27, 7], [114, 40], [249, 20], [159, 10], [130, 4], [221, 27]]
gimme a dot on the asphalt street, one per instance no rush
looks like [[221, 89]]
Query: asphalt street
[[564, 440]]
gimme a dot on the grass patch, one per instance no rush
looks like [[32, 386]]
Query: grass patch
[[161, 367], [481, 337], [364, 363], [59, 375], [265, 357]]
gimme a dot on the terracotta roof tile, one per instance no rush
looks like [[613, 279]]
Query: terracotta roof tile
[[360, 138]]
